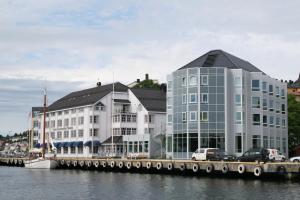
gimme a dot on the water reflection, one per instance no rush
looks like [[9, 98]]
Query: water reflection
[[20, 183]]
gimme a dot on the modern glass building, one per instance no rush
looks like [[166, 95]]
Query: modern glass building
[[221, 101]]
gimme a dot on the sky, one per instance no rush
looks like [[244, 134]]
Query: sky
[[68, 45]]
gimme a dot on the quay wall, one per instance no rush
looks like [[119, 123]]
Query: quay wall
[[287, 169]]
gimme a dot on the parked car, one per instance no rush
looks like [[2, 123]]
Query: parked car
[[275, 155], [252, 155], [205, 153], [295, 159]]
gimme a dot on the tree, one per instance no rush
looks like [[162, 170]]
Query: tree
[[148, 84], [293, 122]]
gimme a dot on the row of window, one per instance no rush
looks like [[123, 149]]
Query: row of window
[[72, 134], [73, 111], [273, 121], [256, 87], [193, 116], [124, 131], [80, 121], [193, 81], [137, 146], [124, 118]]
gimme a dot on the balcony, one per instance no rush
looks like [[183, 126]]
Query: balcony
[[124, 120]]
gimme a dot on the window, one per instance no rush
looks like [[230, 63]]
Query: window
[[204, 116], [53, 114], [238, 143], [255, 102], [238, 117], [193, 98], [59, 135], [80, 120], [271, 121], [73, 111], [151, 118], [282, 93], [237, 82], [59, 123], [284, 145], [204, 98], [53, 135], [66, 112], [52, 123], [193, 116], [277, 107], [271, 105], [170, 119], [169, 102], [264, 87], [193, 80], [283, 108], [133, 131], [95, 132], [184, 117], [277, 91], [59, 112], [238, 100], [256, 119], [271, 92], [277, 122], [256, 141], [80, 109], [66, 134], [80, 133], [255, 85], [265, 120], [72, 150], [204, 80], [265, 104], [283, 123], [80, 150], [96, 119], [66, 122], [73, 121], [265, 142], [133, 118], [184, 99], [66, 150], [73, 133], [169, 85], [272, 142], [183, 81]]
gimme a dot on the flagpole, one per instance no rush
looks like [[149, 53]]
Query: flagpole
[[113, 103]]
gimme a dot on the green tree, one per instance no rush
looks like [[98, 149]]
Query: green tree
[[293, 122], [148, 84]]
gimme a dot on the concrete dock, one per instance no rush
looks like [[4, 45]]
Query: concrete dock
[[288, 169]]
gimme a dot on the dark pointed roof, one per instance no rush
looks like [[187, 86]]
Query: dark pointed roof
[[152, 100], [86, 97], [220, 58]]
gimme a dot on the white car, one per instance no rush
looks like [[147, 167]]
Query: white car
[[295, 159], [204, 153], [275, 155]]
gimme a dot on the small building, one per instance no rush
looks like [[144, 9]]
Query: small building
[[294, 89], [221, 101], [107, 120]]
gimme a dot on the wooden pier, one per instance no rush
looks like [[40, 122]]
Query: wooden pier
[[288, 169]]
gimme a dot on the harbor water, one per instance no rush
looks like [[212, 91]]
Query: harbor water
[[26, 184]]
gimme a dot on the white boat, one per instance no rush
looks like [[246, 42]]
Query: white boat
[[41, 163]]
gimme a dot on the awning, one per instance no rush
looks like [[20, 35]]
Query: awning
[[37, 145], [56, 144], [95, 143], [69, 144], [63, 144], [77, 144]]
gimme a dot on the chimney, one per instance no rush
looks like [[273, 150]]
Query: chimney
[[98, 84], [146, 76], [138, 80]]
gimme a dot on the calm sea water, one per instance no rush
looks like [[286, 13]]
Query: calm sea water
[[21, 183]]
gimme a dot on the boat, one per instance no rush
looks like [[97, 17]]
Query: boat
[[38, 158]]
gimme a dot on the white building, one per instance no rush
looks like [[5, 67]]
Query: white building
[[107, 120], [221, 101]]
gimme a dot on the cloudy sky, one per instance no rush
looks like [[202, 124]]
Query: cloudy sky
[[69, 45]]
